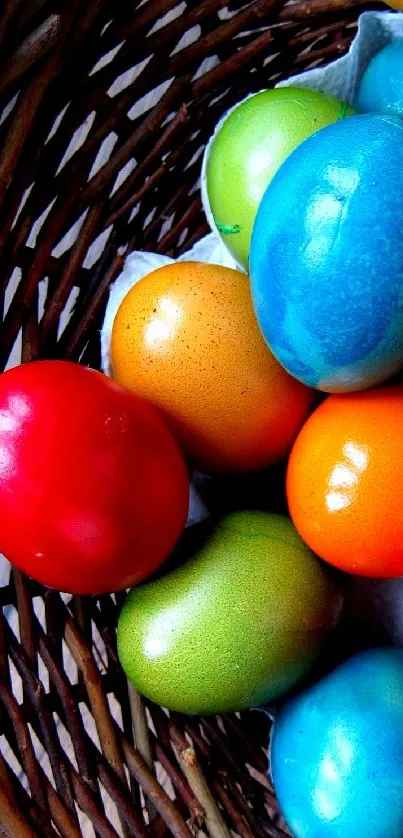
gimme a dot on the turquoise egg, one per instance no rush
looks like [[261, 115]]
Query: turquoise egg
[[337, 752], [326, 258], [381, 88]]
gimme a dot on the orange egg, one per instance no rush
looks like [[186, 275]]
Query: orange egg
[[345, 482], [186, 338]]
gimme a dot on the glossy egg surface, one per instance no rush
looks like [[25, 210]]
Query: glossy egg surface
[[337, 752], [249, 147], [327, 256], [94, 491], [236, 625], [345, 478], [186, 338], [381, 88]]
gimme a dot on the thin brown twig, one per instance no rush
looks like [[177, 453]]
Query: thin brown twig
[[140, 770], [12, 820], [25, 746], [188, 761], [98, 701], [35, 47], [141, 734]]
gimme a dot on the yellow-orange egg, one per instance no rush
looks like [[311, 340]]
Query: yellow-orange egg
[[186, 338], [395, 4]]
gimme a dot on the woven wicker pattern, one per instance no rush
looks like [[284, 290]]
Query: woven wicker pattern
[[105, 110]]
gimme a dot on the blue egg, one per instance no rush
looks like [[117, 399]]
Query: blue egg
[[381, 88], [326, 259], [337, 752]]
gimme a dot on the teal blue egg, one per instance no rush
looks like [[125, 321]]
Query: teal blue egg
[[326, 260], [381, 87], [337, 752]]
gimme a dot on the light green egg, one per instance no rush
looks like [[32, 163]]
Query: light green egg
[[249, 148], [235, 626]]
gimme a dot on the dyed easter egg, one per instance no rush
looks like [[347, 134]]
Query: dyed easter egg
[[185, 338], [94, 492], [327, 256], [395, 4], [381, 88], [344, 479], [248, 148], [337, 752], [238, 624]]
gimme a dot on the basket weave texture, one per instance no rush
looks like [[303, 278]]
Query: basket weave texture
[[105, 110]]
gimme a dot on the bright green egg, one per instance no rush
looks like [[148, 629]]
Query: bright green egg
[[249, 147], [235, 626]]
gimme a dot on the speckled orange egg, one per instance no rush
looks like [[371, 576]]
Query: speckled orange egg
[[345, 482], [186, 338]]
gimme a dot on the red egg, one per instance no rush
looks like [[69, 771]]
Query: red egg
[[93, 488]]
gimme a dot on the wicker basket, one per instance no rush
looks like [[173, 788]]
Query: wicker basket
[[106, 107]]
